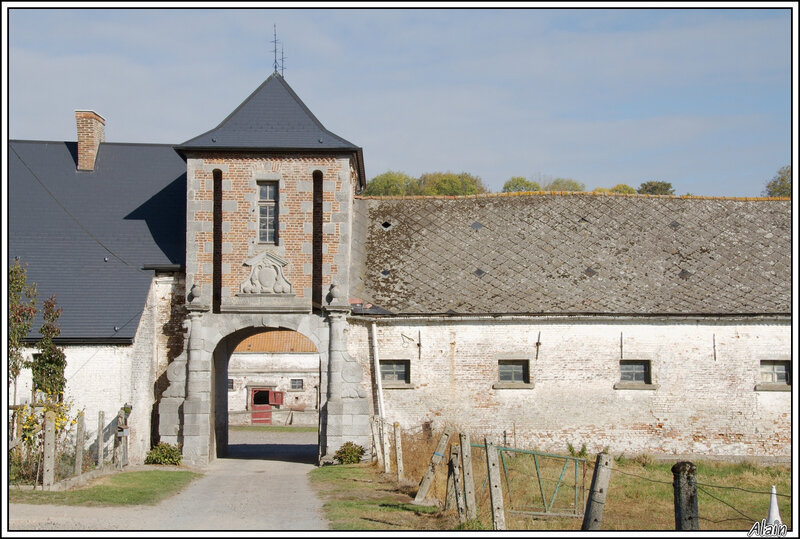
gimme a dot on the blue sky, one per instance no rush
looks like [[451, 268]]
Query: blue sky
[[700, 98]]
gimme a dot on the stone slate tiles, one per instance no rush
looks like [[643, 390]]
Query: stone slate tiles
[[574, 253]]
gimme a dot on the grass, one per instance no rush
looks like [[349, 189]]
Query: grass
[[640, 493], [272, 428], [360, 497], [126, 488]]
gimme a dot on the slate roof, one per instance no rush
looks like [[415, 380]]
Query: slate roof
[[272, 117], [572, 254], [130, 210]]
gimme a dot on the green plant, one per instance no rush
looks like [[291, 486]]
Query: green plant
[[644, 460], [164, 453], [349, 453], [583, 453]]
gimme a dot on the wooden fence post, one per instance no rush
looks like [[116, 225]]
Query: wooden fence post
[[387, 460], [495, 485], [436, 458], [593, 516], [398, 453], [79, 442], [101, 443], [469, 481], [455, 458], [684, 485], [48, 477]]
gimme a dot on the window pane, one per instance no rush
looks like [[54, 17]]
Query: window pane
[[297, 383], [773, 372], [395, 371], [635, 371], [513, 371]]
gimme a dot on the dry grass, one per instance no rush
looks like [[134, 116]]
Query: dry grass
[[640, 493]]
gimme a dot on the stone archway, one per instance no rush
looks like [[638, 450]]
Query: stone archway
[[187, 409], [258, 360]]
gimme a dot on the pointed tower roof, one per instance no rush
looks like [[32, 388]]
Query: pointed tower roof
[[272, 118]]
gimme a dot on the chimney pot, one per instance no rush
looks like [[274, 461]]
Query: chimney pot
[[91, 132]]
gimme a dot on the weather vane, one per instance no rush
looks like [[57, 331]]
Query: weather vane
[[275, 50]]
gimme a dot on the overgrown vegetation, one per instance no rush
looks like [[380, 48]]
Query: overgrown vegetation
[[640, 495], [165, 454], [349, 453], [127, 488]]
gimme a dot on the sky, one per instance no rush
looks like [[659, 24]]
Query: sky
[[700, 98]]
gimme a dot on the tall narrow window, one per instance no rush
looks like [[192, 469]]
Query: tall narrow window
[[216, 277], [268, 212]]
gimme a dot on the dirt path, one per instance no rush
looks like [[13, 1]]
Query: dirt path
[[263, 485]]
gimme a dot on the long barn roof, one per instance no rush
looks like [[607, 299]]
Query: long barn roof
[[573, 254]]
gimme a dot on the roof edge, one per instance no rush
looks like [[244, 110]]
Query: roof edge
[[567, 193]]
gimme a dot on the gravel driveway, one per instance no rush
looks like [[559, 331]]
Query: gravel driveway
[[262, 485]]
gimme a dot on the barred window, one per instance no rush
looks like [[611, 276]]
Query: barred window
[[268, 212]]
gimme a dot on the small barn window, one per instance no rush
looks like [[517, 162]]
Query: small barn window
[[268, 212], [635, 374], [634, 371], [515, 371], [775, 375], [513, 374], [230, 384], [395, 372], [296, 384]]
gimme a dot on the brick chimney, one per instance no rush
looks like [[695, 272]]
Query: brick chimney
[[91, 132]]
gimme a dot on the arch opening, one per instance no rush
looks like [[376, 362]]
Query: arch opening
[[266, 401]]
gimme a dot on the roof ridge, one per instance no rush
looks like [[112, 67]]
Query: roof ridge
[[568, 193]]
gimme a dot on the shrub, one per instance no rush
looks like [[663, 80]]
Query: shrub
[[164, 453], [349, 453], [582, 454]]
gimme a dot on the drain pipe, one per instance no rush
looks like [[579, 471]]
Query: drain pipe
[[378, 383]]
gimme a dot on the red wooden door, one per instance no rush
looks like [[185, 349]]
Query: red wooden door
[[260, 408]]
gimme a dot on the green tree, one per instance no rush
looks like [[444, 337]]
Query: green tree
[[623, 188], [564, 184], [519, 183], [448, 183], [21, 312], [48, 365], [654, 187], [392, 183], [781, 183]]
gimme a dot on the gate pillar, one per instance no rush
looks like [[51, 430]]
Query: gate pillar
[[345, 416], [197, 407]]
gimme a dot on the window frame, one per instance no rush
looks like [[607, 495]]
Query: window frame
[[774, 385], [291, 384], [267, 203], [525, 383], [396, 384], [648, 382]]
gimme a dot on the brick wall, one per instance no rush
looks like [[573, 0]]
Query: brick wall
[[705, 402], [240, 174]]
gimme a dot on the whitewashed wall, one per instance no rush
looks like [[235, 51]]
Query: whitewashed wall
[[98, 378], [251, 369], [705, 370]]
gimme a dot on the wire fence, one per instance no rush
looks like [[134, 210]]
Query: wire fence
[[538, 485]]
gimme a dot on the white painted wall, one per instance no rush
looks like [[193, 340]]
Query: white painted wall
[[253, 369], [98, 378], [706, 373]]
